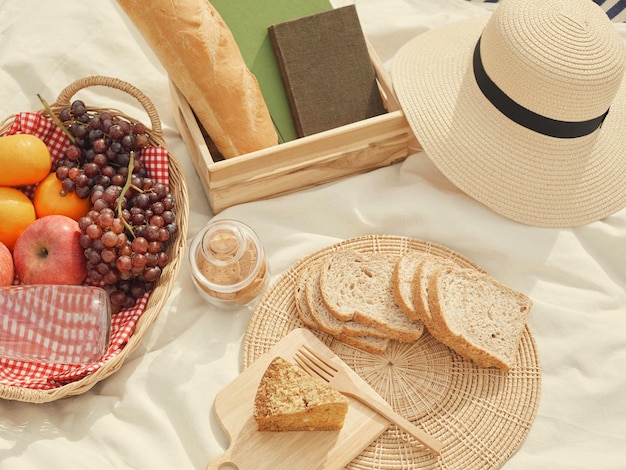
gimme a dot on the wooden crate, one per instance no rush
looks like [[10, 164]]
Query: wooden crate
[[302, 163]]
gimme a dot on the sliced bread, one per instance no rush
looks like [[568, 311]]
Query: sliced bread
[[477, 316], [355, 286], [370, 344], [402, 281], [350, 333], [300, 296], [325, 320], [420, 283]]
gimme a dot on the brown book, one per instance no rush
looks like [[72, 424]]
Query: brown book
[[326, 69]]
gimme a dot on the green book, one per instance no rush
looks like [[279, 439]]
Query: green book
[[248, 21]]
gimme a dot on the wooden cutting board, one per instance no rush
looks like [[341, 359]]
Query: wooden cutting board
[[310, 450]]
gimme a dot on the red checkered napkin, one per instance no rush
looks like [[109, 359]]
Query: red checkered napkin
[[47, 375]]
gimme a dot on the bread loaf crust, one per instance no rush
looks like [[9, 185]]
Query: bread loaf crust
[[201, 56]]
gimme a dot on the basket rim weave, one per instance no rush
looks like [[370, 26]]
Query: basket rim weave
[[176, 248]]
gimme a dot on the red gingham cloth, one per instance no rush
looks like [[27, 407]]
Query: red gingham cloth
[[46, 376]]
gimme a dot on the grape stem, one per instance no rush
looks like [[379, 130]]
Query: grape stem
[[55, 119], [127, 186]]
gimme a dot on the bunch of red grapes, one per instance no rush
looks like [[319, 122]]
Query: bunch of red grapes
[[132, 217]]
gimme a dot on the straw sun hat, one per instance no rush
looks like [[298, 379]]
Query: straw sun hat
[[512, 108]]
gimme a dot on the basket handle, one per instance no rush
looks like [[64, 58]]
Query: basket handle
[[98, 80]]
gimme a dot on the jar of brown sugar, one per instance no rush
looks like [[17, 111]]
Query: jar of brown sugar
[[228, 263]]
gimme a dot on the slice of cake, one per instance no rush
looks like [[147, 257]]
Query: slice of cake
[[289, 399]]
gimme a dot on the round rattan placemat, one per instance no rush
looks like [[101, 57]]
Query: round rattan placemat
[[482, 416]]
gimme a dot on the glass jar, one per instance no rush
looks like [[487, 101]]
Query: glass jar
[[228, 264]]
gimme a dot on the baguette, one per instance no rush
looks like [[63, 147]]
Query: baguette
[[477, 316], [202, 58]]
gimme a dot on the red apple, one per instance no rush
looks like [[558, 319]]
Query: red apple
[[7, 269], [49, 252]]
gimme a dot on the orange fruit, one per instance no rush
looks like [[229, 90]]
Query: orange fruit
[[51, 199], [24, 159], [16, 213]]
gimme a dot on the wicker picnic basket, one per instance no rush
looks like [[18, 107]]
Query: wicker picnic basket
[[176, 245]]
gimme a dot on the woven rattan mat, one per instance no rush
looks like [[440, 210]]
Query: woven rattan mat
[[481, 415]]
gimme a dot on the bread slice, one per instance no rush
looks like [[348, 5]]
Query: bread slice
[[420, 284], [370, 344], [477, 316], [304, 313], [357, 287], [402, 281], [350, 333], [289, 399], [325, 320]]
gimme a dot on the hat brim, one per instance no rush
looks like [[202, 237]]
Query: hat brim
[[525, 176]]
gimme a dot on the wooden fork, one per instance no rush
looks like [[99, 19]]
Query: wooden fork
[[337, 374]]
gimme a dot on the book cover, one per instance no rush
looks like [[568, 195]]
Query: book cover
[[327, 70], [248, 21]]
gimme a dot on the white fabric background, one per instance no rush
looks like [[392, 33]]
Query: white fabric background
[[155, 413]]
